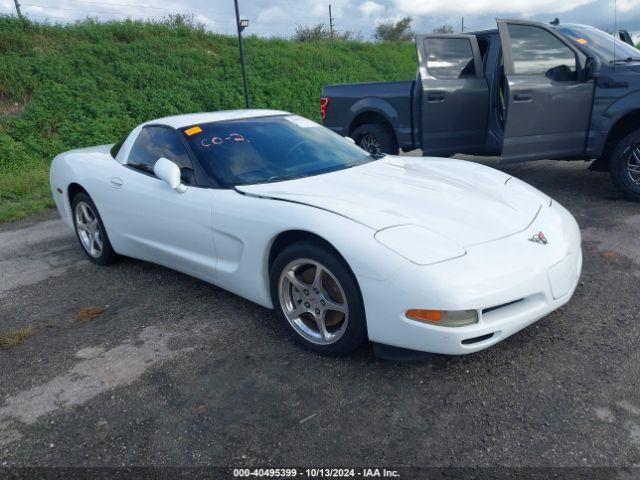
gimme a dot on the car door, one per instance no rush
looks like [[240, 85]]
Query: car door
[[156, 223], [454, 100], [547, 99]]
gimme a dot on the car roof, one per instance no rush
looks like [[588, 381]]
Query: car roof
[[179, 121]]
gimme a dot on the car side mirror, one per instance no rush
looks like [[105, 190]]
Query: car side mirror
[[168, 171]]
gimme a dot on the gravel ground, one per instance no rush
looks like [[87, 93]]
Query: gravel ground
[[177, 372]]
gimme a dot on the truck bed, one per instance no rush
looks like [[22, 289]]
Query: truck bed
[[345, 99]]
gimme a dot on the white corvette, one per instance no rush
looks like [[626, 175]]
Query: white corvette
[[426, 254]]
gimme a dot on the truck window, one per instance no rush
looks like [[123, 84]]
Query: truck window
[[449, 58], [536, 51]]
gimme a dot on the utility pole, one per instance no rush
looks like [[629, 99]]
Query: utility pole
[[330, 22], [462, 25], [242, 24], [18, 8]]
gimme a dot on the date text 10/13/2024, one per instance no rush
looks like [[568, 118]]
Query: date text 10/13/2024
[[315, 473]]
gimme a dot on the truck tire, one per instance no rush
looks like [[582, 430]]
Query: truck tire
[[624, 166], [376, 138]]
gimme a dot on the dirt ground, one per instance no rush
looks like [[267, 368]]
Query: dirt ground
[[176, 372]]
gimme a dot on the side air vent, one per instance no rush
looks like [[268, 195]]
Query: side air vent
[[497, 307], [481, 338]]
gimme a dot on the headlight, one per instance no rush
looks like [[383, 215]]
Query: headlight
[[444, 318], [419, 245]]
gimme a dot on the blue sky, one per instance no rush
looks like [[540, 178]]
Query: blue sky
[[280, 17]]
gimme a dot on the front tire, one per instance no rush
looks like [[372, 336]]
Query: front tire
[[624, 166], [317, 297], [376, 138], [90, 230]]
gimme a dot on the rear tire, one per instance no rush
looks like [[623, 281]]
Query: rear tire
[[376, 138], [317, 297], [624, 166], [90, 230]]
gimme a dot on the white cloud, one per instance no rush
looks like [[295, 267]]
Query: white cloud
[[270, 14], [628, 5], [477, 7], [370, 7], [209, 23]]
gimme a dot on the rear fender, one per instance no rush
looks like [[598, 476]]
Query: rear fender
[[374, 105]]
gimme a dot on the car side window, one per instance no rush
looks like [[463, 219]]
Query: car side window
[[154, 142], [535, 51], [449, 58]]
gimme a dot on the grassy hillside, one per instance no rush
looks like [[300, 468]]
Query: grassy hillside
[[63, 87]]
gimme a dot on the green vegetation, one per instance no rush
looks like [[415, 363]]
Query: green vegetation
[[64, 87], [13, 338], [399, 31]]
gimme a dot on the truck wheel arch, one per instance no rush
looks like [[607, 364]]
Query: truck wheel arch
[[626, 124], [368, 117], [371, 119], [373, 110]]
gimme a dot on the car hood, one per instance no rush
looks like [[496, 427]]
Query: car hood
[[466, 202]]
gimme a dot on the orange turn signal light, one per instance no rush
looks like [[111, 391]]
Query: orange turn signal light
[[424, 315], [444, 318]]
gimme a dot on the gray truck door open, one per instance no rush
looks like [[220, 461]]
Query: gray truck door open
[[547, 104], [455, 96]]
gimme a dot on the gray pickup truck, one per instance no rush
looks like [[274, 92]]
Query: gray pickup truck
[[524, 91]]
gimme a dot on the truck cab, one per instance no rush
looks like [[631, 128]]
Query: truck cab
[[523, 91]]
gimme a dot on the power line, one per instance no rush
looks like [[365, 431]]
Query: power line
[[45, 17], [105, 12], [190, 10], [121, 14], [28, 9]]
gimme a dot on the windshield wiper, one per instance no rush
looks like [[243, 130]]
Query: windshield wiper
[[377, 156], [280, 178]]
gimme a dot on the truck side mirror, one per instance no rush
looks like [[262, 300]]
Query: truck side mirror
[[625, 37]]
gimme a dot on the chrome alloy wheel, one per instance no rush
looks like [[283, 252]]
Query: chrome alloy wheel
[[371, 144], [313, 301], [88, 229], [633, 165]]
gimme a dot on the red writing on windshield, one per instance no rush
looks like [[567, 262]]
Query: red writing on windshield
[[232, 137]]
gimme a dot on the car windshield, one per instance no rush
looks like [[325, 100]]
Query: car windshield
[[600, 42], [269, 149]]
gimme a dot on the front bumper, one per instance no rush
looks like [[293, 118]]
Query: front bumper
[[510, 282]]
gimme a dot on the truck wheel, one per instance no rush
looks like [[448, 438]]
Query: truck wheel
[[376, 138], [624, 166]]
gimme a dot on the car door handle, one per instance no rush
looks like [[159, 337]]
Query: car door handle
[[435, 97], [522, 97], [116, 182]]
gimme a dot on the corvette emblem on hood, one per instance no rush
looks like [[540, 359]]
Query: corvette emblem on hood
[[539, 238]]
